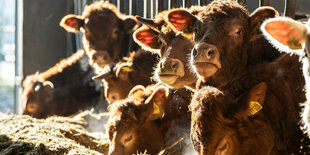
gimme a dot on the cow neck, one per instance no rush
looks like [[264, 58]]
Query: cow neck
[[237, 85]]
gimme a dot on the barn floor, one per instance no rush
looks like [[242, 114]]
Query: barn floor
[[82, 134]]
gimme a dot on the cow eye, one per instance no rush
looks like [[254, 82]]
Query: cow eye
[[127, 139], [115, 33], [238, 31], [114, 97], [196, 30], [160, 42]]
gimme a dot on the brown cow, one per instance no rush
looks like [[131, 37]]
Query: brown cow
[[150, 119], [107, 33], [173, 68], [63, 90], [289, 36], [227, 40], [119, 79], [263, 119]]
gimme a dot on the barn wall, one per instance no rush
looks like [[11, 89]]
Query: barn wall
[[44, 41]]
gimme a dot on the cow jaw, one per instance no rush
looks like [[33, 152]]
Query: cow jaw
[[205, 69]]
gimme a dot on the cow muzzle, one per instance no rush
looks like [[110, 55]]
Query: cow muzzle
[[205, 60], [101, 58], [169, 70]]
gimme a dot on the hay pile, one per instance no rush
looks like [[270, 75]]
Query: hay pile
[[55, 135]]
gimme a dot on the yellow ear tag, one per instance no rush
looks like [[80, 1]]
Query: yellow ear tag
[[294, 44], [126, 69], [255, 107], [156, 108]]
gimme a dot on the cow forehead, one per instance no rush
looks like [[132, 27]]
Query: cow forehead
[[102, 23]]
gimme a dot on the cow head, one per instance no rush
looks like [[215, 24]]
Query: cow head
[[106, 32], [37, 97], [142, 121], [134, 123], [223, 124], [222, 34], [115, 79], [174, 49]]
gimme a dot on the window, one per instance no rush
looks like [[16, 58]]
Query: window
[[7, 55]]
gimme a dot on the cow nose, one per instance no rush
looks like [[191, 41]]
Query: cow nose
[[210, 53], [101, 56]]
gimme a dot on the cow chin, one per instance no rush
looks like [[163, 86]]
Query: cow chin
[[205, 70], [168, 79]]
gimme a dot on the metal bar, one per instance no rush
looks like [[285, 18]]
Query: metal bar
[[18, 56], [169, 4], [290, 8], [152, 8], [264, 3], [145, 8], [130, 7], [118, 5]]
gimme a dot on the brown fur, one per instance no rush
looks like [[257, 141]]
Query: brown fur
[[138, 71], [107, 32], [132, 126], [63, 89], [219, 114]]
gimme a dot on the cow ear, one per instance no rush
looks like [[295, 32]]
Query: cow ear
[[157, 100], [129, 24], [285, 34], [72, 23], [147, 39], [48, 90], [257, 18], [181, 20], [256, 98], [135, 91], [123, 71]]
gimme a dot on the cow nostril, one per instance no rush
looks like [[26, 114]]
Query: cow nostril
[[211, 52], [194, 52], [175, 65], [105, 56]]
